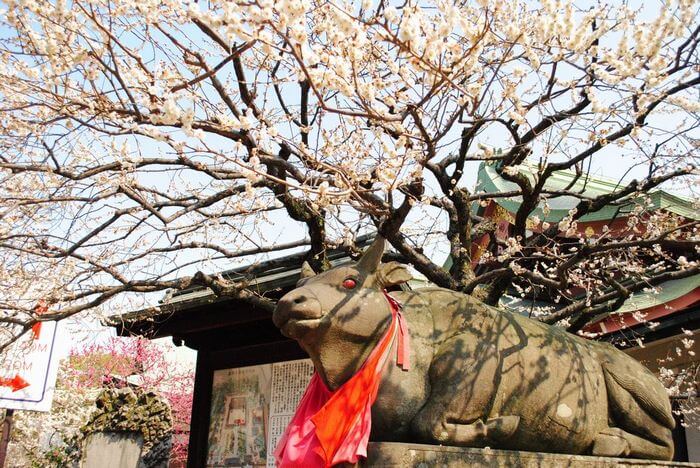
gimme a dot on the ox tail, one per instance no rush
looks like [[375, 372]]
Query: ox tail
[[637, 387]]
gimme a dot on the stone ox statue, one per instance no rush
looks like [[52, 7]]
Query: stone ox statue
[[479, 376]]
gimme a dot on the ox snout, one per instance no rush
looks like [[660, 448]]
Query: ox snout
[[295, 308]]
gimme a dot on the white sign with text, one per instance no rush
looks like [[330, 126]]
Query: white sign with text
[[28, 369]]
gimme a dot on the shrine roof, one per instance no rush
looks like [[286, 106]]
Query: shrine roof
[[662, 294], [489, 181], [198, 308]]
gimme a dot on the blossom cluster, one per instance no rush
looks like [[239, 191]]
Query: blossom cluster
[[144, 141]]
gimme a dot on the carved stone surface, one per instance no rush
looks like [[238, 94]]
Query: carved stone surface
[[112, 450], [479, 376], [387, 454]]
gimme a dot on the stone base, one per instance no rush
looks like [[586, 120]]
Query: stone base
[[428, 456]]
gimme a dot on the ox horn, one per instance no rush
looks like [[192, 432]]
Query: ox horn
[[372, 256], [306, 271]]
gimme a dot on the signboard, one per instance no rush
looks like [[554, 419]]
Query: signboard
[[250, 409], [28, 369], [289, 381]]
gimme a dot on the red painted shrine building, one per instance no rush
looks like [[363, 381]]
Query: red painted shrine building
[[669, 300]]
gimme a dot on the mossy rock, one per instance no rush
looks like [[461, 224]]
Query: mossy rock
[[133, 410]]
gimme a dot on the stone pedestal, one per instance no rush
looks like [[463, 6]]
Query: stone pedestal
[[385, 454]]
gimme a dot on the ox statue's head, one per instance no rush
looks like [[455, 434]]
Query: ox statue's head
[[338, 316]]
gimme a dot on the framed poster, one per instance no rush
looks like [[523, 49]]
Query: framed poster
[[211, 411], [238, 421], [250, 409]]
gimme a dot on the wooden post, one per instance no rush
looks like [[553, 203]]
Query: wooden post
[[6, 431]]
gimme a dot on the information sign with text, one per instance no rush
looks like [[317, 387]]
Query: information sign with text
[[28, 369]]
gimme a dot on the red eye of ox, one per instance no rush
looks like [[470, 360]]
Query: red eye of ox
[[349, 283]]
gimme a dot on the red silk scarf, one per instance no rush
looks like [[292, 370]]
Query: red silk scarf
[[331, 427]]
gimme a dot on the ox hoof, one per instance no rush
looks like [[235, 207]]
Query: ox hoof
[[495, 430], [502, 428], [611, 443]]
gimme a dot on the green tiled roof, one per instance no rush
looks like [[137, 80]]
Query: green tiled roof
[[667, 292], [489, 181]]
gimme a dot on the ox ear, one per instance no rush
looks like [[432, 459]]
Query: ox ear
[[372, 256], [391, 274], [306, 271]]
